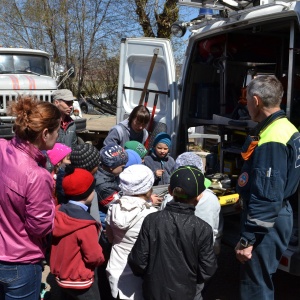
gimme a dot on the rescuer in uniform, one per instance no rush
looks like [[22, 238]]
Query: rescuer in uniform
[[269, 177]]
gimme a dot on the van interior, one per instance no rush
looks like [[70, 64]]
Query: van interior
[[219, 70], [214, 91]]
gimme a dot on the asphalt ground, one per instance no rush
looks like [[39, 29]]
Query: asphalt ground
[[224, 285]]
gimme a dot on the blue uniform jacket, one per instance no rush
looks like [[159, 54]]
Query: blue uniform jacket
[[270, 176]]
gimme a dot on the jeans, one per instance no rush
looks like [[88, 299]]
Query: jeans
[[20, 281]]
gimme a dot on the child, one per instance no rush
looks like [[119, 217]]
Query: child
[[124, 220], [159, 160], [75, 251], [113, 159], [208, 208], [59, 157], [86, 156], [174, 250], [137, 147], [131, 129]]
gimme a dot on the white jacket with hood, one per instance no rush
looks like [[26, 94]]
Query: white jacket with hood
[[124, 220]]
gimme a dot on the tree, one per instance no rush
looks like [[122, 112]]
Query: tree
[[156, 17], [102, 80], [85, 33], [72, 31]]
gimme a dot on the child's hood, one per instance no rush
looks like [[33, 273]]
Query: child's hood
[[128, 211], [65, 225]]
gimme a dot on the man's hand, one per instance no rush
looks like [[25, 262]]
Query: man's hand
[[243, 254]]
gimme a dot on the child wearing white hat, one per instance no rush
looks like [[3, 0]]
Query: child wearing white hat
[[123, 222]]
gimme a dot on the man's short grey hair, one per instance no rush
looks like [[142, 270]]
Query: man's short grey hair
[[268, 88]]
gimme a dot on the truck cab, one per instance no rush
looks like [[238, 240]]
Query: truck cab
[[27, 72], [226, 48]]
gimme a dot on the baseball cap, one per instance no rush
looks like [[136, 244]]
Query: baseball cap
[[64, 94], [191, 159], [190, 179]]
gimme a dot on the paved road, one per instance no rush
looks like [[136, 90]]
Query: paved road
[[224, 284]]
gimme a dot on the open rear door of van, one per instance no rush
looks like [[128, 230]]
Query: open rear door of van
[[138, 62]]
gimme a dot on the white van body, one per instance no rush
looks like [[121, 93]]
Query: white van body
[[135, 58], [222, 55]]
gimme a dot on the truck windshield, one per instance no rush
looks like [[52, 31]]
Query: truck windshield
[[17, 63]]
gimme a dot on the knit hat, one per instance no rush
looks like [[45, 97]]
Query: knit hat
[[133, 158], [190, 179], [191, 159], [58, 153], [85, 156], [63, 94], [137, 147], [136, 180], [78, 184], [113, 156], [164, 138]]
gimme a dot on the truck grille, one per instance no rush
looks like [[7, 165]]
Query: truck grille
[[5, 98]]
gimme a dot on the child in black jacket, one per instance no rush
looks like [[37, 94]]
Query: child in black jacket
[[174, 250]]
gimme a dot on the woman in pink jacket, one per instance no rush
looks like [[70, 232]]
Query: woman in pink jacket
[[26, 203]]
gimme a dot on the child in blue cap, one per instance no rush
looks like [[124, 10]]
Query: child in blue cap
[[159, 160]]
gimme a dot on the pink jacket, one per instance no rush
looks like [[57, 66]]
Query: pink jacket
[[26, 202]]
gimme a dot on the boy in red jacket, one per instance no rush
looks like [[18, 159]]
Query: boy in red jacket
[[75, 251]]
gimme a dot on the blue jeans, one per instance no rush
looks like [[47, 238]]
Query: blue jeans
[[20, 281]]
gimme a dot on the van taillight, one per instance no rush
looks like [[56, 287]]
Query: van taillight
[[284, 261]]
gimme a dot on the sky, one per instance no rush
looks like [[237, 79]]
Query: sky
[[186, 14]]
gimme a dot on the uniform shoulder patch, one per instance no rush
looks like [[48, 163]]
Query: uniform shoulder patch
[[243, 179]]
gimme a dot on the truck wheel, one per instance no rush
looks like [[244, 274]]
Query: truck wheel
[[80, 124], [84, 108]]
